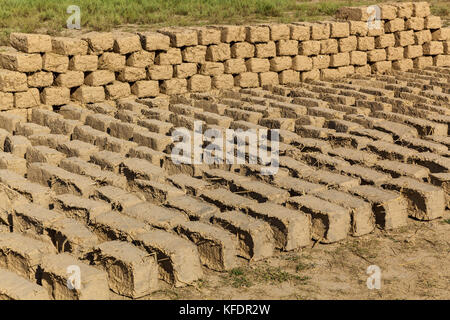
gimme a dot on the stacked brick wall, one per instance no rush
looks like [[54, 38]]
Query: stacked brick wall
[[44, 71]]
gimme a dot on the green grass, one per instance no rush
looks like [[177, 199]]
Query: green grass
[[49, 16]]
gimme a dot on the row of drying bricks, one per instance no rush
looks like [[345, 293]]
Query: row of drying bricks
[[237, 203]]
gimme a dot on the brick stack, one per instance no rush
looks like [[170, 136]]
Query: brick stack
[[45, 71]]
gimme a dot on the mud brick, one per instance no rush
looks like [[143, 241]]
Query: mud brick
[[43, 154], [366, 43], [329, 46], [339, 29], [55, 62], [184, 262], [433, 22], [160, 72], [152, 140], [208, 35], [188, 184], [13, 162], [247, 80], [376, 55], [330, 222], [160, 114], [422, 62], [157, 192], [30, 217], [199, 83], [218, 52], [394, 25], [23, 255], [108, 160], [377, 29], [308, 48], [94, 282], [289, 76], [195, 54], [286, 47], [17, 145], [116, 145], [126, 43], [100, 122], [433, 48], [391, 151], [181, 37], [70, 79], [111, 61], [15, 287], [255, 237], [390, 207], [367, 176], [355, 156], [21, 62], [152, 41], [441, 60], [103, 108], [234, 66], [171, 56], [131, 74], [194, 208], [321, 61], [185, 70], [353, 13], [118, 198], [397, 53], [340, 59], [174, 86], [362, 219], [40, 79], [403, 65], [358, 28], [404, 10], [217, 248], [27, 99], [77, 148], [49, 140], [388, 11], [99, 42], [421, 37], [55, 96], [329, 74], [60, 180], [265, 50], [385, 40], [301, 63], [27, 129], [31, 43], [347, 44], [435, 163], [256, 34], [296, 186], [99, 78], [421, 9], [359, 58], [268, 78], [87, 134], [140, 59], [381, 66], [404, 38], [138, 272], [415, 23], [12, 81], [134, 168], [155, 157], [69, 46], [425, 202], [212, 68], [79, 208], [239, 114], [101, 177], [447, 47], [226, 199], [257, 65], [232, 33], [442, 180], [156, 126]]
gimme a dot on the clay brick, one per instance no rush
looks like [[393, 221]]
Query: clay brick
[[199, 83], [256, 34], [388, 12], [141, 59], [289, 76], [117, 198], [321, 61], [268, 78], [329, 46], [404, 10], [185, 70], [44, 154], [208, 35], [385, 40], [99, 78], [12, 162], [232, 33], [366, 43], [164, 72], [184, 259], [433, 48], [310, 75], [174, 86], [320, 31], [70, 79], [152, 41], [12, 81], [257, 65], [126, 43], [287, 47], [40, 79], [223, 81], [395, 53], [180, 37], [27, 99], [280, 63], [21, 62], [247, 79], [358, 58], [265, 50], [69, 46], [131, 271], [363, 70], [94, 282], [348, 44], [353, 13], [111, 61], [117, 90], [339, 29], [420, 37], [88, 94], [421, 9], [234, 66], [376, 55], [415, 23], [433, 22], [99, 41], [404, 38], [194, 54], [301, 63], [358, 28], [403, 65], [218, 52], [422, 62], [15, 287], [308, 48], [340, 59], [145, 88], [77, 148], [31, 43], [441, 60], [55, 62], [171, 56]]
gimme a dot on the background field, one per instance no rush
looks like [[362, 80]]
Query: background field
[[50, 16]]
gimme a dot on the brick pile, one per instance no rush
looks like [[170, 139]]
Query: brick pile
[[40, 70]]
